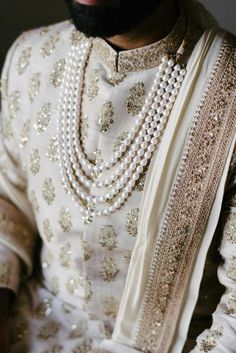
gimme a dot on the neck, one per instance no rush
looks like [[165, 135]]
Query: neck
[[152, 29]]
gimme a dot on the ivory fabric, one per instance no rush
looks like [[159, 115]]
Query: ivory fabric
[[70, 301]]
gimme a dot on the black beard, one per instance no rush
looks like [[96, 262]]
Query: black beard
[[108, 20]]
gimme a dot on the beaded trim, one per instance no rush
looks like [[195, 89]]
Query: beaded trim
[[191, 200]]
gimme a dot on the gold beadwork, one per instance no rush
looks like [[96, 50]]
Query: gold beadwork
[[50, 45], [43, 117], [14, 104], [65, 219], [52, 153], [65, 255], [79, 329], [108, 237], [24, 136], [230, 228], [132, 221], [47, 229], [109, 269], [210, 341], [24, 60], [105, 117], [5, 273], [34, 87], [48, 191], [44, 309], [34, 161], [49, 330], [92, 90], [57, 73], [110, 307]]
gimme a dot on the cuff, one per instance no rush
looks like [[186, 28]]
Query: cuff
[[9, 269]]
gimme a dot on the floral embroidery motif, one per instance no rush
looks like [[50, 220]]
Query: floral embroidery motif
[[49, 330], [47, 229], [92, 90], [34, 161], [105, 117], [14, 104], [87, 251], [119, 140], [24, 136], [43, 117], [52, 153], [135, 99], [50, 45], [211, 339], [44, 309], [84, 347], [48, 191], [115, 78], [34, 87], [24, 60], [96, 156], [65, 255], [54, 349], [19, 332], [231, 273], [79, 329], [87, 289], [108, 237], [230, 228], [84, 127], [127, 255], [231, 305], [57, 73], [73, 284], [132, 221], [55, 285], [34, 201], [109, 269], [110, 306], [65, 219], [5, 273]]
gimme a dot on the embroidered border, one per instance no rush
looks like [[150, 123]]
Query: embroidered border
[[191, 200]]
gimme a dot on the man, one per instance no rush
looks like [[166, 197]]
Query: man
[[117, 149]]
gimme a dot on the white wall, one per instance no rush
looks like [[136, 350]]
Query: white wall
[[224, 11]]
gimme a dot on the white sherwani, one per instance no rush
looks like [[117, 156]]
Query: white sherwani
[[70, 276]]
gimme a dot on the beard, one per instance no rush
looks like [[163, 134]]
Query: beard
[[108, 20]]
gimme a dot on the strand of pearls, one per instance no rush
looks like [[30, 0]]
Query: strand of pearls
[[77, 171]]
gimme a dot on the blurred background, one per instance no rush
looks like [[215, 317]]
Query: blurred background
[[16, 16]]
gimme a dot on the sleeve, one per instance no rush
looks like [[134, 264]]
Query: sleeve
[[17, 225], [221, 337]]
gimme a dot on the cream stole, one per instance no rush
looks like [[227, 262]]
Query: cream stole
[[181, 203]]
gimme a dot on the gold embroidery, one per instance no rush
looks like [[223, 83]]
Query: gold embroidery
[[75, 37], [84, 128], [48, 191], [87, 251], [231, 305], [79, 329], [34, 161], [65, 219], [87, 285], [54, 349], [187, 213], [52, 153], [24, 136], [92, 90], [47, 229], [73, 284], [44, 309], [84, 347], [68, 308], [135, 99], [7, 126], [110, 307], [230, 228], [96, 156], [127, 255], [141, 181], [65, 255], [57, 73], [24, 60], [3, 86], [34, 87], [5, 273], [115, 78], [109, 269], [44, 31], [211, 339], [14, 104], [105, 330], [43, 117], [49, 330], [50, 45], [108, 237], [105, 117], [119, 140], [55, 285], [19, 332], [231, 273], [132, 221]]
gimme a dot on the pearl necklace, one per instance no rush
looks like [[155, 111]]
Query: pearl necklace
[[78, 173]]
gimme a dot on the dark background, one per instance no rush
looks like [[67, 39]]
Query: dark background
[[19, 15]]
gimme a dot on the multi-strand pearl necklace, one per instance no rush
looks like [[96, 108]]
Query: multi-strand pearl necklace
[[78, 173]]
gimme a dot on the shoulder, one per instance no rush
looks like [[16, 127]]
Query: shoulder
[[39, 44]]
